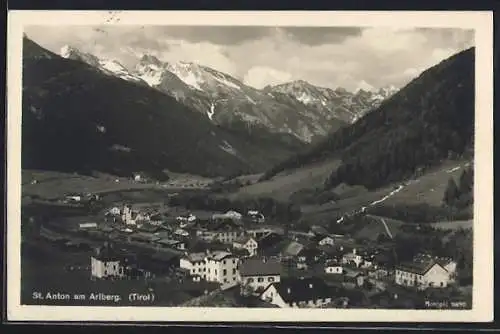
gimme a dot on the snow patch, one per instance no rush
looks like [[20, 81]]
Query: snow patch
[[227, 82], [117, 69], [251, 100], [152, 77], [305, 98], [453, 169], [228, 148], [211, 113], [121, 148], [190, 79], [65, 51]]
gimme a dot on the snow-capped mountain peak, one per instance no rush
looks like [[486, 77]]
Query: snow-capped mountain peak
[[70, 52], [107, 66], [365, 86]]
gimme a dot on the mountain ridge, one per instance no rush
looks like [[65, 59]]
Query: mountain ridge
[[430, 119], [228, 102], [79, 118]]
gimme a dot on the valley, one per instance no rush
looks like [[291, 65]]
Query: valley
[[180, 175]]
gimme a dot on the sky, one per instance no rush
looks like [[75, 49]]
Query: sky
[[347, 57]]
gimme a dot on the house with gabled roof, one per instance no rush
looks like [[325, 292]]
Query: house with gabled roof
[[248, 243], [300, 292], [422, 275], [257, 273]]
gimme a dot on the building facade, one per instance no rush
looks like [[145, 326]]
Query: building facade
[[422, 275], [220, 267], [255, 274], [247, 243]]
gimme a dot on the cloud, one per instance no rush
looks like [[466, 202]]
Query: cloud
[[261, 76], [330, 57]]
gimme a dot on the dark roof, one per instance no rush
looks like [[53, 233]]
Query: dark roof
[[319, 230], [259, 267], [270, 240], [148, 228], [330, 250], [107, 254], [240, 252], [293, 248], [294, 290], [416, 267], [243, 240]]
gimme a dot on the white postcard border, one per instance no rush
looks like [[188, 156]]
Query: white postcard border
[[481, 22]]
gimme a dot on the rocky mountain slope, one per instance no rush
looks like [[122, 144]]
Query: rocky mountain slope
[[335, 104], [294, 111], [79, 117]]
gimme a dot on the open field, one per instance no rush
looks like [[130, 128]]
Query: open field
[[283, 185], [379, 225], [454, 225], [430, 187], [51, 185]]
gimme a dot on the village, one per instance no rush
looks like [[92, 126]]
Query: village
[[249, 254]]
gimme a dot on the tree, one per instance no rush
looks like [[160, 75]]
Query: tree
[[451, 193], [466, 183]]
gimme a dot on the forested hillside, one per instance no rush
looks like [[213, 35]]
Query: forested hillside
[[430, 119], [77, 119]]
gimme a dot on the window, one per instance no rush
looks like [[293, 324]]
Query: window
[[234, 261], [270, 279], [250, 280], [225, 280], [215, 271], [224, 262], [224, 272], [441, 284], [234, 271], [260, 279]]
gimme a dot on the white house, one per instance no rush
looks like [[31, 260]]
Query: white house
[[256, 274], [217, 266], [333, 267], [105, 264], [195, 263], [222, 267], [86, 226], [247, 243], [298, 292], [256, 216], [228, 215], [327, 241], [229, 236], [422, 275], [114, 211], [352, 258], [74, 198], [186, 219], [181, 232]]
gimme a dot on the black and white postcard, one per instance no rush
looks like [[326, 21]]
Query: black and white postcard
[[250, 166]]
